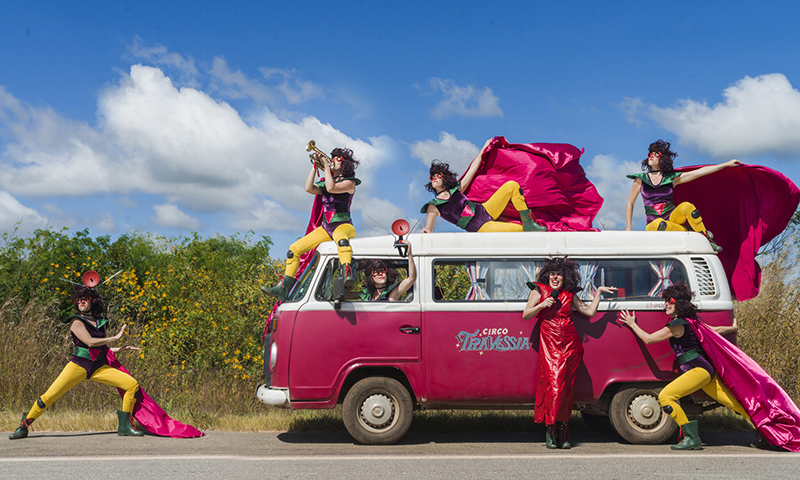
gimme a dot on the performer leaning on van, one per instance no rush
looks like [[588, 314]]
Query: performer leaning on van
[[454, 206], [337, 190], [380, 281], [552, 300], [696, 371], [656, 185], [88, 329]]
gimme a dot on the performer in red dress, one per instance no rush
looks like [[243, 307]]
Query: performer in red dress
[[552, 301]]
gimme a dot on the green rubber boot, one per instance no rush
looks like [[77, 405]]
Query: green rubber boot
[[550, 437], [282, 289], [22, 430], [347, 274], [710, 237], [529, 223], [562, 435], [125, 428], [691, 438]]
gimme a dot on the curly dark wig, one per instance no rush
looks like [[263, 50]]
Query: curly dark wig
[[97, 305], [683, 300], [375, 264], [449, 179], [349, 164], [572, 275], [667, 157]]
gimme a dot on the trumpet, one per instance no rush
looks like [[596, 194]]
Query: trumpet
[[318, 155]]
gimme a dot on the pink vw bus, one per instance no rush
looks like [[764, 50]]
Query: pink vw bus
[[457, 339]]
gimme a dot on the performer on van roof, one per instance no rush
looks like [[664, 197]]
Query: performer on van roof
[[552, 300], [451, 203], [380, 282], [656, 186], [709, 362], [88, 329], [336, 191]]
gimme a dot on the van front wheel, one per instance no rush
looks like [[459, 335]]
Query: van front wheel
[[637, 416], [377, 411]]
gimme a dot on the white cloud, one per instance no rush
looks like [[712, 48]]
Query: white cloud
[[607, 174], [158, 55], [171, 216], [758, 115], [458, 153], [268, 215], [181, 145], [105, 222], [464, 101], [377, 215], [283, 84], [16, 217]]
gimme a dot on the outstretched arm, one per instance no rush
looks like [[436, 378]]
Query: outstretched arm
[[473, 167], [723, 330], [591, 309], [637, 186], [629, 319], [702, 172], [406, 284], [79, 329]]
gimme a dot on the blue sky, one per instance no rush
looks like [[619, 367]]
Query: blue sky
[[172, 117]]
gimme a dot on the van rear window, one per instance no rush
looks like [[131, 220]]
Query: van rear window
[[505, 280]]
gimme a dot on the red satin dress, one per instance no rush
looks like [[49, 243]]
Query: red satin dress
[[560, 354]]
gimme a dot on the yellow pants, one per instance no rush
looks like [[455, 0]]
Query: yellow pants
[[344, 231], [682, 214], [509, 191], [690, 382], [74, 374]]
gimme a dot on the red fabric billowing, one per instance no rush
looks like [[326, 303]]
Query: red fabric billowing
[[314, 221], [772, 411], [150, 415], [554, 184], [744, 207], [560, 354]]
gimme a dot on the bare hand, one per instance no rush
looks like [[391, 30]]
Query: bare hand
[[425, 230], [606, 289], [548, 302], [125, 348], [733, 163], [121, 332], [627, 318]]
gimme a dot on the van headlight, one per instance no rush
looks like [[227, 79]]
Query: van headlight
[[273, 355]]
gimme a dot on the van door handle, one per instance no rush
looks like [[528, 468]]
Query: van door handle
[[408, 329]]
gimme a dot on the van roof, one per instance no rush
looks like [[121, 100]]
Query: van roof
[[612, 243]]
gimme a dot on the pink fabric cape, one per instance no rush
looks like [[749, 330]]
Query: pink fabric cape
[[772, 411], [150, 415], [744, 207], [554, 184], [314, 221]]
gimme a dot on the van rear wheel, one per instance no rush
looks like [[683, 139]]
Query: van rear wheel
[[637, 417], [377, 411]]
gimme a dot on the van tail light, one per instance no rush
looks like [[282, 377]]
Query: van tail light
[[273, 326]]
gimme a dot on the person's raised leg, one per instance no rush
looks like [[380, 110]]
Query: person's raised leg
[[687, 213], [669, 398], [511, 191], [342, 236], [309, 242]]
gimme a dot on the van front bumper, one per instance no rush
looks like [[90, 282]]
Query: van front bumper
[[278, 397]]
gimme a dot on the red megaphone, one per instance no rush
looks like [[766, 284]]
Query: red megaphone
[[91, 278], [400, 227]]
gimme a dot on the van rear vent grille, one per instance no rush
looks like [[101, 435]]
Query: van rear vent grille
[[705, 280]]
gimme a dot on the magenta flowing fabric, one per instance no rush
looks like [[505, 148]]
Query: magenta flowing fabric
[[772, 411], [552, 180], [744, 207], [150, 415], [314, 221]]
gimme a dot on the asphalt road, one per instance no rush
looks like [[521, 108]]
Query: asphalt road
[[726, 455]]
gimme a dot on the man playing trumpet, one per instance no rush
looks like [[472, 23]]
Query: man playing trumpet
[[336, 190]]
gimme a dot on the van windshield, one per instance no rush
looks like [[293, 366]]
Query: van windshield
[[301, 287], [477, 280]]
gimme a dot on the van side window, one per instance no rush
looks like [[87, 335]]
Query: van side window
[[480, 280], [331, 272]]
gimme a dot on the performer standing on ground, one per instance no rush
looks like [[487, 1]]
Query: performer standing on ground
[[696, 370], [656, 186], [337, 190], [552, 300], [454, 206], [380, 283], [89, 360]]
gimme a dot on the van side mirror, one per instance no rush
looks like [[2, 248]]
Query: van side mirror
[[338, 292]]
